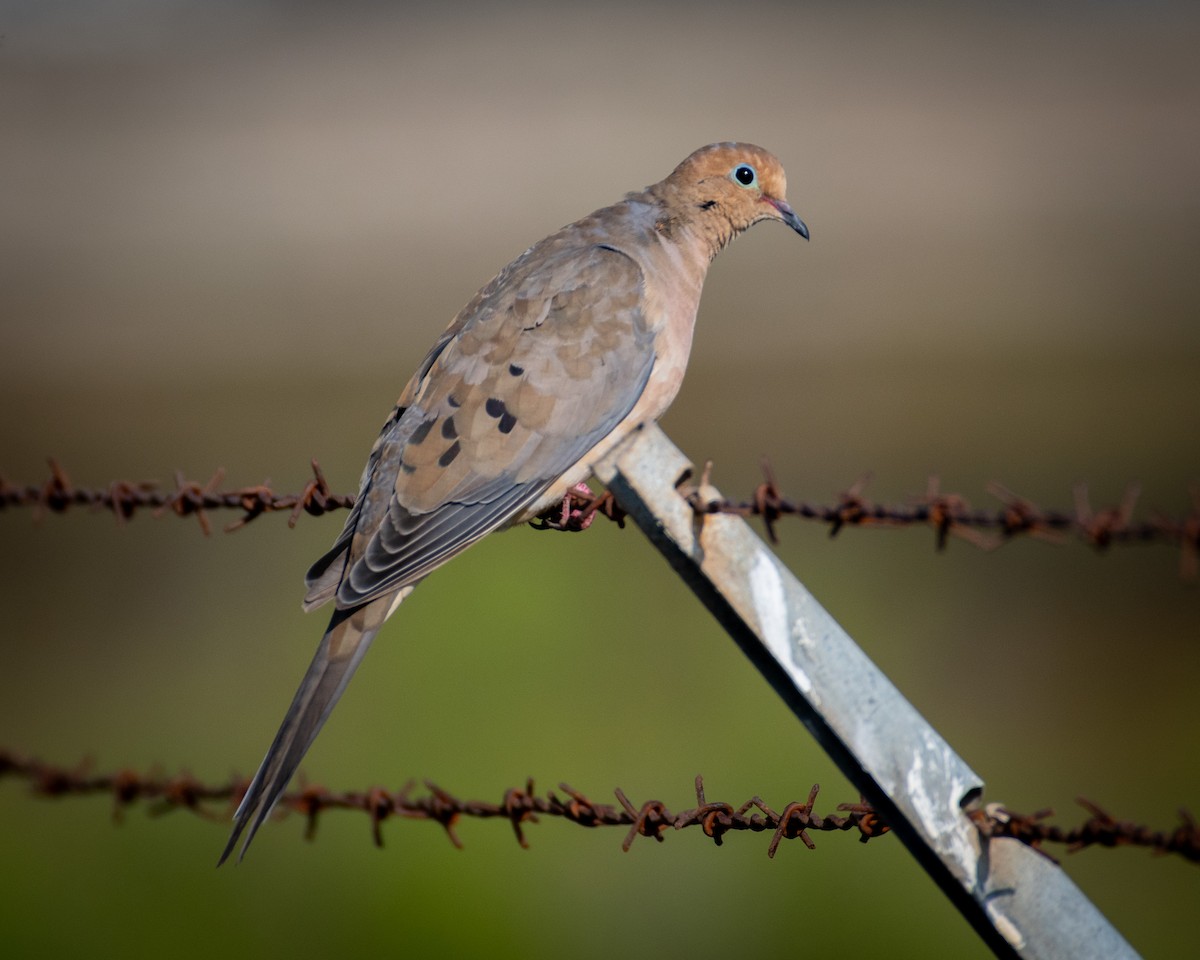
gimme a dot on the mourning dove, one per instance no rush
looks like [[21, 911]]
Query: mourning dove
[[574, 344]]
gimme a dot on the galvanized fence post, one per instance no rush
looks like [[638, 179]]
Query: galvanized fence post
[[1019, 902]]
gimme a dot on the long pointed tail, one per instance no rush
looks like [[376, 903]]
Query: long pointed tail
[[346, 640]]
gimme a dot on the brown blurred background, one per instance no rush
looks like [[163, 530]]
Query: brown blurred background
[[229, 231]]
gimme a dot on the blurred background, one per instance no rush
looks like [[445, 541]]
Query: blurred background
[[230, 230]]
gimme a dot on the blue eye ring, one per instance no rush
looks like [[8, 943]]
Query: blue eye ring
[[744, 175]]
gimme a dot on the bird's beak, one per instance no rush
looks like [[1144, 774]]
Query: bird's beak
[[788, 216]]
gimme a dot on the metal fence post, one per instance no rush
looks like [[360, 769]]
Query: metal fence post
[[1019, 902]]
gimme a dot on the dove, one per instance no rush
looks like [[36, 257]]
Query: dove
[[577, 342]]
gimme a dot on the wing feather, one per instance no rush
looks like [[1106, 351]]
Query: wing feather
[[542, 365]]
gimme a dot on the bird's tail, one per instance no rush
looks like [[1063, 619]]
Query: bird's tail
[[346, 640]]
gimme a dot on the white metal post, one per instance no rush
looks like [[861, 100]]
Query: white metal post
[[1021, 903]]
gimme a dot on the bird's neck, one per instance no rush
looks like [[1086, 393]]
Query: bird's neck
[[702, 227]]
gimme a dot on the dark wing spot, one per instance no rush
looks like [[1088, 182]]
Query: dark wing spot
[[407, 467], [453, 402], [447, 458], [449, 430], [507, 422], [494, 407], [515, 370], [422, 431]]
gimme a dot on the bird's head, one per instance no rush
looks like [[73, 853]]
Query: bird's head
[[737, 184]]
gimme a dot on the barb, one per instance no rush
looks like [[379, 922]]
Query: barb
[[523, 805], [946, 514]]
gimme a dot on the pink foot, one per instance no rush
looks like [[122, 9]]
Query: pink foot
[[572, 514], [576, 518]]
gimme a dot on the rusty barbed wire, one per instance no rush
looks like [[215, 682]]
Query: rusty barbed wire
[[523, 805], [950, 514], [124, 498], [520, 806], [946, 514], [1100, 829]]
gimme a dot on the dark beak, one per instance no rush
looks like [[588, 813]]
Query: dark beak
[[788, 216]]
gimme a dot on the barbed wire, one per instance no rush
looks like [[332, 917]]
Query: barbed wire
[[523, 805], [946, 514], [124, 498]]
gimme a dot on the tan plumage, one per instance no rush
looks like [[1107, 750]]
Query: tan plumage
[[572, 345]]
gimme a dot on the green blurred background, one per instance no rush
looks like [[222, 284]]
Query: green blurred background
[[229, 231]]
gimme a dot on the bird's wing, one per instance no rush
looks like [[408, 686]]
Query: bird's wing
[[542, 365]]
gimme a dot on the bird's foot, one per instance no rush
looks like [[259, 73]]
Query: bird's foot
[[578, 509]]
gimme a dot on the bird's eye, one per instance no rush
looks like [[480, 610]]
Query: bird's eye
[[744, 174]]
